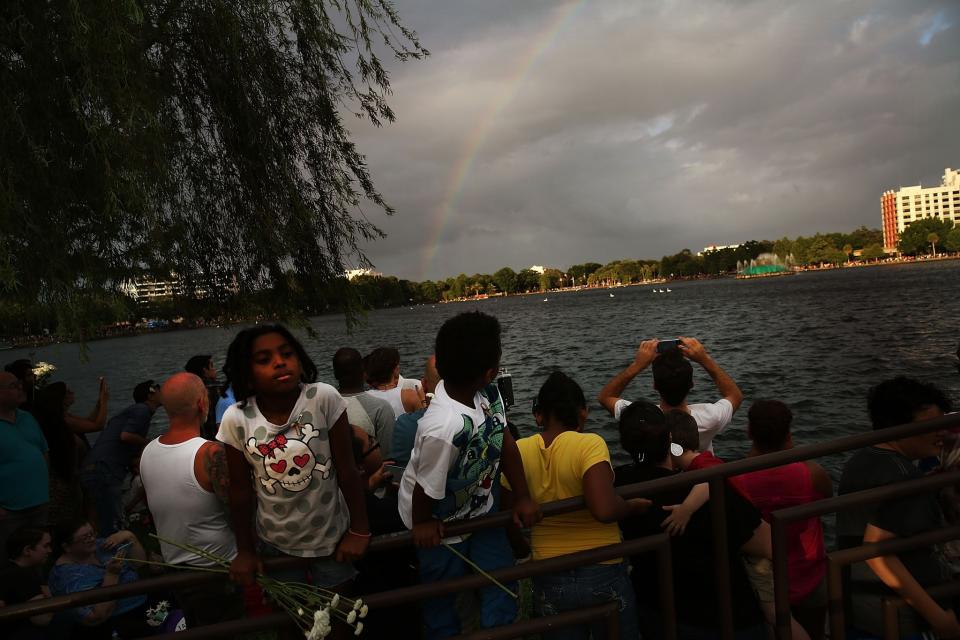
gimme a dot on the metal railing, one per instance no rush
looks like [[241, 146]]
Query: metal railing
[[838, 559], [659, 543], [715, 476]]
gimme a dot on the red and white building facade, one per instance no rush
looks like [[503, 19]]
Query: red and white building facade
[[898, 209]]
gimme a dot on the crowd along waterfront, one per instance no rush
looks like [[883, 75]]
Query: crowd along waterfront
[[816, 341]]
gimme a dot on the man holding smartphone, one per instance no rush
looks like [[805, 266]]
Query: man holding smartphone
[[673, 379]]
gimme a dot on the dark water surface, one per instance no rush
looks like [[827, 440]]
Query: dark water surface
[[816, 341]]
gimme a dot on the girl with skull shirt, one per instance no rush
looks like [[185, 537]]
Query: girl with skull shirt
[[289, 432]]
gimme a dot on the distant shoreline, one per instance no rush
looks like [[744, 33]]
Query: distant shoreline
[[664, 281], [34, 342]]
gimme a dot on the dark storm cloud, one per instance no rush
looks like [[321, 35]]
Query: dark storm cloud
[[644, 128]]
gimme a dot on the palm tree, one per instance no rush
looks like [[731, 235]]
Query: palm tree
[[848, 249], [933, 239]]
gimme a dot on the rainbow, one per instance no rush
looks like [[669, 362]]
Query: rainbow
[[474, 141]]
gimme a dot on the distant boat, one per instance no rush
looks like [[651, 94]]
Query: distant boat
[[668, 290], [546, 299], [655, 291], [611, 295]]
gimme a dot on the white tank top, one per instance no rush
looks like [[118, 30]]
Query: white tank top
[[182, 510], [393, 395]]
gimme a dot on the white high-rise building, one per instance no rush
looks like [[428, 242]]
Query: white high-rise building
[[908, 204]]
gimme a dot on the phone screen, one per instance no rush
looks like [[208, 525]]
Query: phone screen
[[395, 471]]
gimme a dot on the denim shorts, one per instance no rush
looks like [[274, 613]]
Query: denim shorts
[[322, 571], [583, 586]]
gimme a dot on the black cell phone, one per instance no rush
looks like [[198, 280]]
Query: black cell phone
[[505, 385], [666, 345]]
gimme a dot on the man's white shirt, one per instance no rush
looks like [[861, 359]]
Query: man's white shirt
[[711, 418]]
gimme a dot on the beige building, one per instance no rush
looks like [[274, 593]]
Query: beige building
[[146, 291], [908, 204]]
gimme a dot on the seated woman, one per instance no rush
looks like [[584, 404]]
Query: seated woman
[[89, 562], [645, 435], [561, 462]]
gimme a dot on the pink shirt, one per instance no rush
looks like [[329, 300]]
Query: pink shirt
[[788, 486]]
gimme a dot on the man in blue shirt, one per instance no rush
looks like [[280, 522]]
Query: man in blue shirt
[[223, 403], [405, 429], [107, 464], [24, 484]]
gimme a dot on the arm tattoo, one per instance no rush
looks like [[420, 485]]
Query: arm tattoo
[[215, 464]]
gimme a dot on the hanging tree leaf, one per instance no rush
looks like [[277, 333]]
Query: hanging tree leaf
[[197, 138]]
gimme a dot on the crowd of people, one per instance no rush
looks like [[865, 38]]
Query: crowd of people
[[271, 463]]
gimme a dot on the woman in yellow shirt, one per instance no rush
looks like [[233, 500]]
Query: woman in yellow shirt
[[562, 462]]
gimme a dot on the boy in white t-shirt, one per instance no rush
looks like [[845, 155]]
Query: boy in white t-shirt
[[454, 471], [673, 380]]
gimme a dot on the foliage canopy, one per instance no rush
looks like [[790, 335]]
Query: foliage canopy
[[916, 237], [199, 138]]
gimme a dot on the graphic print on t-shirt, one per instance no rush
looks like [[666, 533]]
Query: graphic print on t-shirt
[[473, 474], [288, 460]]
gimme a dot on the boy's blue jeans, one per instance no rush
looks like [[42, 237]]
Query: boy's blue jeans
[[489, 550], [583, 586]]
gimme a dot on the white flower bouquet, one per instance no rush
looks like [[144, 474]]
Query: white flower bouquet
[[42, 372], [312, 608]]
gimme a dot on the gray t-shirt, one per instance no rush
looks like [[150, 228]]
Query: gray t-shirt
[[300, 509], [373, 415], [112, 454]]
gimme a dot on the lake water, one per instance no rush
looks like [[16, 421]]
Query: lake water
[[817, 341]]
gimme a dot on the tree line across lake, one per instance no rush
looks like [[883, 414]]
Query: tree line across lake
[[377, 292], [819, 249]]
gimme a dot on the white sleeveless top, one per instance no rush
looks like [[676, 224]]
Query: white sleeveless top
[[393, 395], [183, 510]]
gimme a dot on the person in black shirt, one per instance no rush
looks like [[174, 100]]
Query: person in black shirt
[[21, 580], [646, 437], [897, 401]]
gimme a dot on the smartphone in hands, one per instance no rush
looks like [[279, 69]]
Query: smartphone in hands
[[395, 471], [666, 345]]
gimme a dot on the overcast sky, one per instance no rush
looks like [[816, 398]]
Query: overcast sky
[[547, 132]]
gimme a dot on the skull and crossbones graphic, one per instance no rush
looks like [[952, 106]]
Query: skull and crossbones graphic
[[288, 461]]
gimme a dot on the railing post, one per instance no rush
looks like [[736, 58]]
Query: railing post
[[668, 609], [781, 579], [721, 551], [891, 620], [838, 625]]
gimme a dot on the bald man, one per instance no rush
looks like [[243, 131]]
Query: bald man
[[186, 481], [24, 488], [405, 429]]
